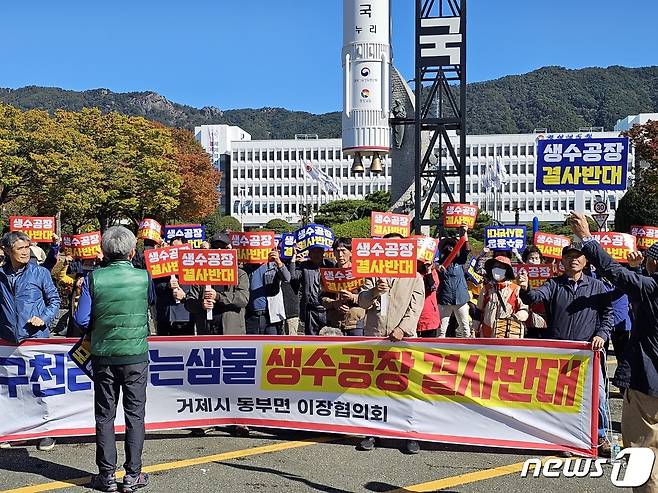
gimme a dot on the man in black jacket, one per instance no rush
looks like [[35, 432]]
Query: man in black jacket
[[639, 422]]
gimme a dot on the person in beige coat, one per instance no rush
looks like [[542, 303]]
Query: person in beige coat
[[393, 307]]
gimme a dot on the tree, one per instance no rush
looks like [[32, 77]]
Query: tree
[[640, 203], [278, 226], [216, 223], [353, 229], [198, 193], [342, 211]]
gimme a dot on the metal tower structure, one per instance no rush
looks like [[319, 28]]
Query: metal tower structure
[[440, 94]]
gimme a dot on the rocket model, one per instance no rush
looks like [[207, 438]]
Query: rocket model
[[366, 92]]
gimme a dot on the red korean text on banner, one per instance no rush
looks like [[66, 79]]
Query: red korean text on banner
[[456, 215], [149, 229], [384, 257], [383, 223], [426, 248], [253, 247], [208, 267], [646, 236], [551, 245], [337, 280], [82, 246], [618, 245], [538, 274], [39, 229], [163, 262]]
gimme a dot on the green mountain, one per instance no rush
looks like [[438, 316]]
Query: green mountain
[[551, 97]]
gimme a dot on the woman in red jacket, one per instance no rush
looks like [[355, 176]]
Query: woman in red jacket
[[430, 318]]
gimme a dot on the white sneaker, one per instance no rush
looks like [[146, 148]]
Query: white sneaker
[[46, 444], [8, 445]]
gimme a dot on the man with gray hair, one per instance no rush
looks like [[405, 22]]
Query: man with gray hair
[[113, 309], [29, 300]]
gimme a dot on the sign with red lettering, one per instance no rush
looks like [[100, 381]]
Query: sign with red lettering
[[518, 394], [383, 223], [82, 246], [39, 229], [149, 229], [538, 274], [208, 267], [618, 245], [384, 257], [337, 280], [456, 215], [426, 247], [551, 245], [253, 247], [163, 262], [646, 236]]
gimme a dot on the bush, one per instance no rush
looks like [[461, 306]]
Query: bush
[[278, 226], [353, 229]]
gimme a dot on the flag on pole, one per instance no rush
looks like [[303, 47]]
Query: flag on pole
[[501, 173], [327, 183]]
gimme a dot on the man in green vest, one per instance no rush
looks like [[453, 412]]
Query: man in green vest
[[113, 309]]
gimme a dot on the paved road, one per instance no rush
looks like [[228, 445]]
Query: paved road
[[277, 461]]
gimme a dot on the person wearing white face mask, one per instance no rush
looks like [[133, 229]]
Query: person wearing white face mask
[[502, 313]]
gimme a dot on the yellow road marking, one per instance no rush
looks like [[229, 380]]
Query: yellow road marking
[[265, 449], [471, 477]]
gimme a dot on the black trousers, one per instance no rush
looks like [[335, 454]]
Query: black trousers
[[109, 382], [256, 323]]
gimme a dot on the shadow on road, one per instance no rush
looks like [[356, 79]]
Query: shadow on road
[[292, 477], [19, 460], [386, 487]]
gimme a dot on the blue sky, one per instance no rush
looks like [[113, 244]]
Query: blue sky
[[255, 53]]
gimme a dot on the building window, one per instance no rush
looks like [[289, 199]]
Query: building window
[[257, 173], [272, 190], [241, 155], [531, 205], [286, 173], [257, 156], [235, 155], [286, 156], [515, 187], [345, 189], [278, 208], [242, 173], [476, 151], [293, 173], [506, 150], [278, 172], [308, 154], [564, 204], [531, 150], [286, 208], [515, 169], [278, 191], [315, 155], [323, 155], [278, 155], [271, 172], [531, 186], [571, 204], [250, 156], [271, 155], [249, 173]]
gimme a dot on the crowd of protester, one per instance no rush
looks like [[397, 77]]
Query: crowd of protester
[[590, 298]]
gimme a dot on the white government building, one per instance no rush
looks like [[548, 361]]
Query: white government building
[[265, 179]]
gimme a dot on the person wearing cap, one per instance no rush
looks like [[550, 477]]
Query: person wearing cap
[[639, 422], [499, 301], [307, 273], [343, 310], [29, 300], [452, 293], [578, 308], [266, 310], [227, 303]]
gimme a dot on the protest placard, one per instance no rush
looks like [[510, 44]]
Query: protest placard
[[253, 247], [384, 257], [82, 246], [383, 223], [39, 229], [456, 215]]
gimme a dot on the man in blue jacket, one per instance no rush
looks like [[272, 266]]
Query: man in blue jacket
[[639, 420], [578, 308], [29, 300]]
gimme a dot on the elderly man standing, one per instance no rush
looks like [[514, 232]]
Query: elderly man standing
[[639, 420], [29, 300], [578, 308], [113, 307]]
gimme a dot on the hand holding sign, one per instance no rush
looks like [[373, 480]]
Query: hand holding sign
[[635, 259], [523, 279]]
